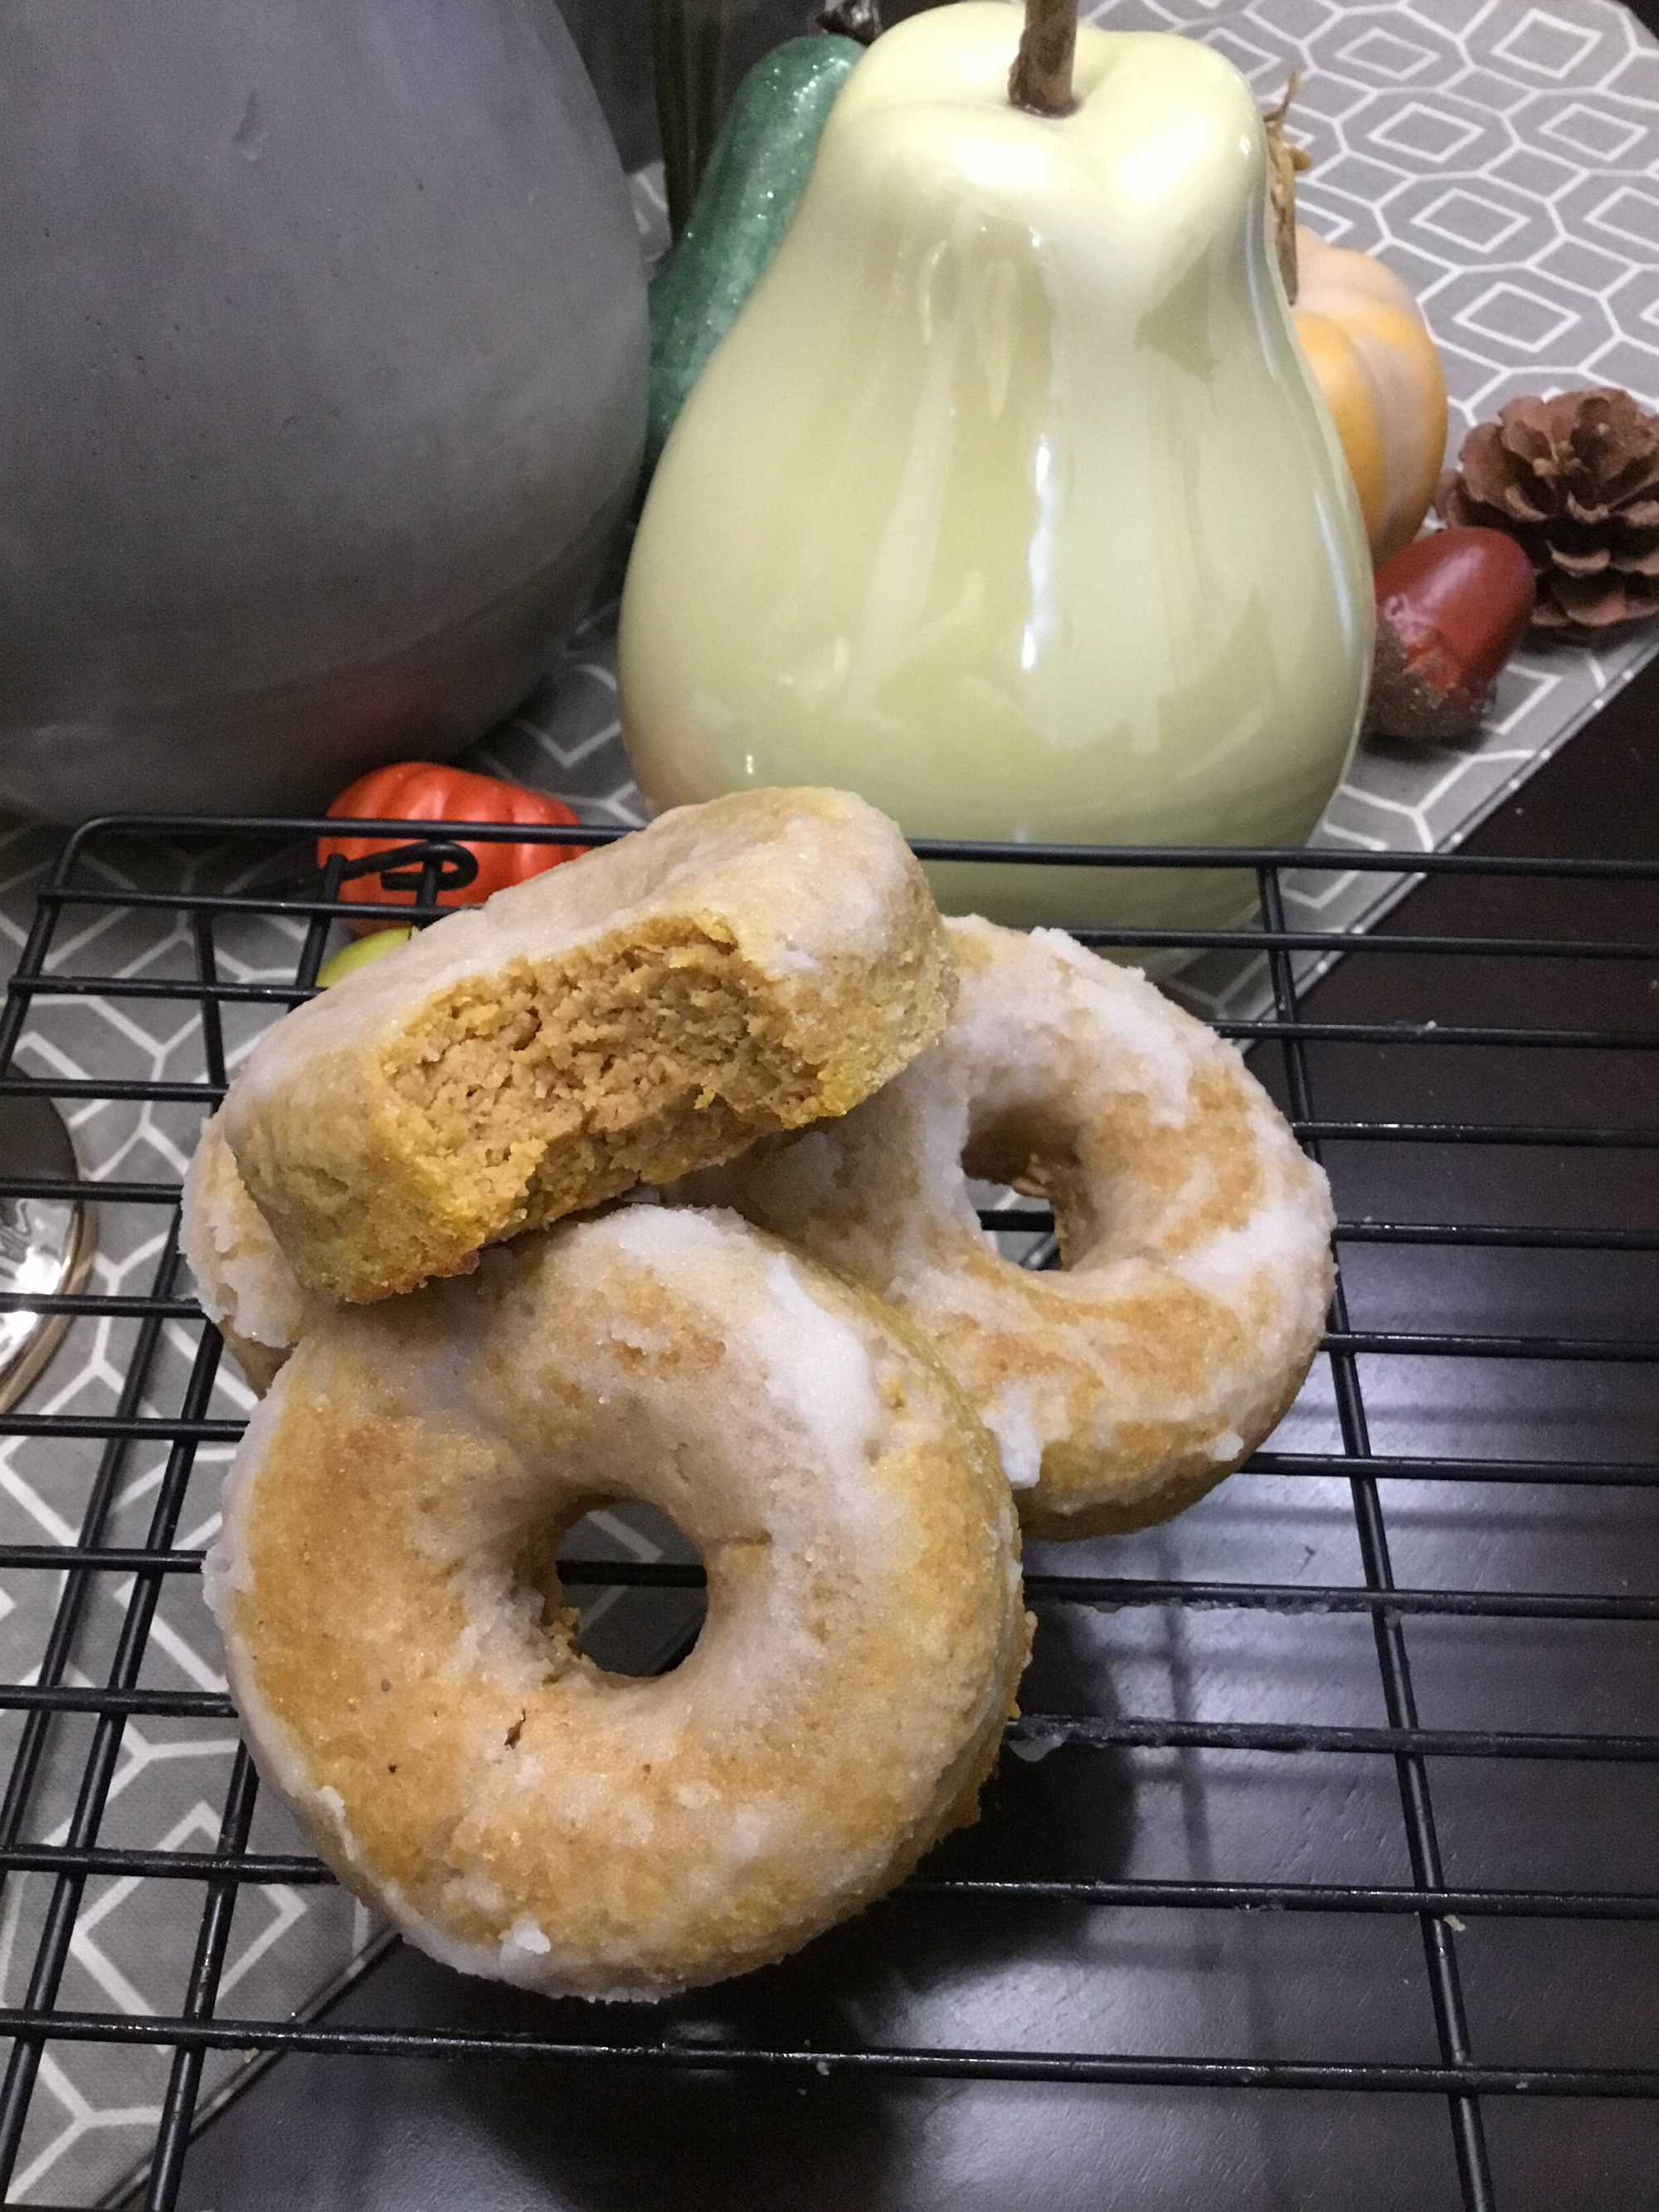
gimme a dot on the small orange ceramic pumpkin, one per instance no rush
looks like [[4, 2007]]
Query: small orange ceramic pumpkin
[[1374, 361]]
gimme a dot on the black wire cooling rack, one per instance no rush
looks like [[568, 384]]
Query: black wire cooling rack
[[1469, 1113]]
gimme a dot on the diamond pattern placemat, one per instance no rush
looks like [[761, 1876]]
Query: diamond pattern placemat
[[1503, 157]]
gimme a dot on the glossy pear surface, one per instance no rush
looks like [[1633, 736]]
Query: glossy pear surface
[[1008, 501]]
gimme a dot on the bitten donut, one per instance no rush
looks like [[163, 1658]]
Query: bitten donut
[[736, 968], [246, 1287], [408, 1679], [1194, 1233]]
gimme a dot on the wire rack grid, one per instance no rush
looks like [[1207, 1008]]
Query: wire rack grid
[[1359, 1086]]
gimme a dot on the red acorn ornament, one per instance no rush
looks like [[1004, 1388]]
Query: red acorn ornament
[[1450, 610]]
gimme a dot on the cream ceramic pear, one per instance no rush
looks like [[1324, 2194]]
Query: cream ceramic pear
[[1008, 501]]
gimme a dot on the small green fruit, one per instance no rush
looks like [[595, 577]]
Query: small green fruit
[[359, 953]]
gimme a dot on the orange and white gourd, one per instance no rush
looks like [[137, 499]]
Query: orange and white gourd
[[1376, 365]]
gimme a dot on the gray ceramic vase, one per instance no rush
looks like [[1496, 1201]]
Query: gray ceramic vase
[[321, 391]]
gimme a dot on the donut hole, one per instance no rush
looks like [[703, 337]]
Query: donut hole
[[624, 1628], [1017, 1161]]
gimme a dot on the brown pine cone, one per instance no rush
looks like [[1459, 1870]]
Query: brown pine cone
[[1576, 480]]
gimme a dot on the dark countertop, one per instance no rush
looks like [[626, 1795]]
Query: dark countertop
[[418, 2134]]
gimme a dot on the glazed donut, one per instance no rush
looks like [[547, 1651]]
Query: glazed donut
[[408, 1680], [246, 1287], [1194, 1233], [735, 969]]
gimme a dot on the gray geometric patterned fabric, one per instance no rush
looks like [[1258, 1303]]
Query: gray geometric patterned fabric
[[131, 1950], [1502, 156]]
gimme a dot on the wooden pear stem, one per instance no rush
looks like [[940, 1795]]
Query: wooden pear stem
[[1041, 79]]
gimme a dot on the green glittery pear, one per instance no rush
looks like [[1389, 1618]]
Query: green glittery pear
[[756, 172]]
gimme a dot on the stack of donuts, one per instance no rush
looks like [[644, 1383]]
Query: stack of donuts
[[417, 1219]]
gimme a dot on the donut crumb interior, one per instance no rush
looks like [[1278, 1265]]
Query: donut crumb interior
[[547, 1085], [732, 970]]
